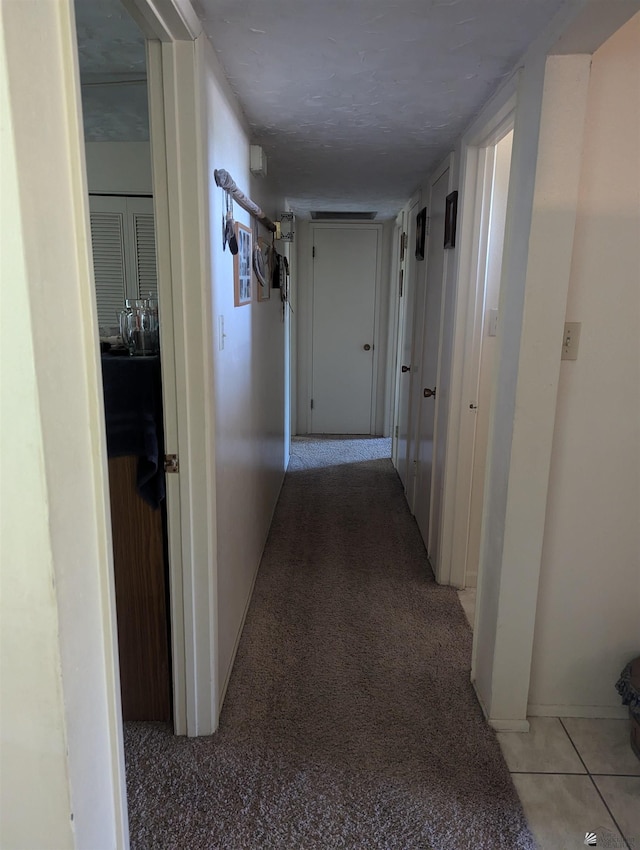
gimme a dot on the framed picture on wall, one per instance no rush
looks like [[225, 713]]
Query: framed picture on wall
[[421, 232], [242, 269], [450, 216]]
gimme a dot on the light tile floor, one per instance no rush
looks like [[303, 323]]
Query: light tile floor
[[574, 775]]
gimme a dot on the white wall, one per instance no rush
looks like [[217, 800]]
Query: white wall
[[589, 597], [540, 221], [119, 168], [62, 762], [248, 375], [33, 767]]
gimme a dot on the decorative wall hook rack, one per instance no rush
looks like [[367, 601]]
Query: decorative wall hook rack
[[284, 227], [226, 182]]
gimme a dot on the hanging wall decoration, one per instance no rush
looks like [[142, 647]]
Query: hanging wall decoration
[[261, 267], [242, 272]]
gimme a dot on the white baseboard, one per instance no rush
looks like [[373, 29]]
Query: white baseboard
[[227, 677], [509, 725], [595, 711], [223, 692]]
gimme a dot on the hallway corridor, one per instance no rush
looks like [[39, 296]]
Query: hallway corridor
[[349, 720]]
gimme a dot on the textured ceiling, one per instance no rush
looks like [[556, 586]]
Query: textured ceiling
[[112, 57], [354, 101]]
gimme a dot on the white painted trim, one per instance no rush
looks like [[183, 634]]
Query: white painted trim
[[468, 336], [465, 379], [493, 122], [225, 684], [234, 652], [50, 260], [548, 138], [178, 173], [397, 334], [187, 371], [307, 317], [392, 331], [194, 370], [594, 711], [447, 164], [166, 20], [169, 378], [377, 331], [509, 725], [412, 268]]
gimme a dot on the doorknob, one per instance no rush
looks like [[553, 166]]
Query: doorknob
[[367, 347], [406, 368], [429, 393]]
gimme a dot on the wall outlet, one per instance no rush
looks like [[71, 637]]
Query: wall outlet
[[571, 340]]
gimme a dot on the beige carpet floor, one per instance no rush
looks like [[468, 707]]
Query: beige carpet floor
[[349, 721]]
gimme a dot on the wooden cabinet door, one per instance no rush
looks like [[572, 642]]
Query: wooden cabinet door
[[141, 597]]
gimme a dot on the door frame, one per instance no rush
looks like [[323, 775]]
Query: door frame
[[456, 497], [341, 225], [408, 268], [172, 30], [397, 266], [446, 165], [483, 229]]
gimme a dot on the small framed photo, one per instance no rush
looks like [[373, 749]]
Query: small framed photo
[[421, 232], [242, 269], [450, 216]]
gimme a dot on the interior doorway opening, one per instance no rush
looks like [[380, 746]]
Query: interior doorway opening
[[115, 108], [496, 166]]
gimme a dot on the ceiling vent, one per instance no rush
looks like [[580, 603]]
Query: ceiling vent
[[329, 215]]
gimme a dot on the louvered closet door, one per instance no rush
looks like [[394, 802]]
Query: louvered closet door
[[124, 252], [142, 236], [108, 228]]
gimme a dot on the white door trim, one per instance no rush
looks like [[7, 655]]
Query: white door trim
[[394, 310], [448, 164], [178, 173], [479, 162], [494, 123], [355, 225], [401, 459], [418, 342]]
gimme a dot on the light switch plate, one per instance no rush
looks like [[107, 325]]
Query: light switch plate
[[571, 340], [493, 322]]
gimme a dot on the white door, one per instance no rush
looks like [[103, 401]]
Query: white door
[[424, 510], [405, 346], [497, 216], [344, 301]]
